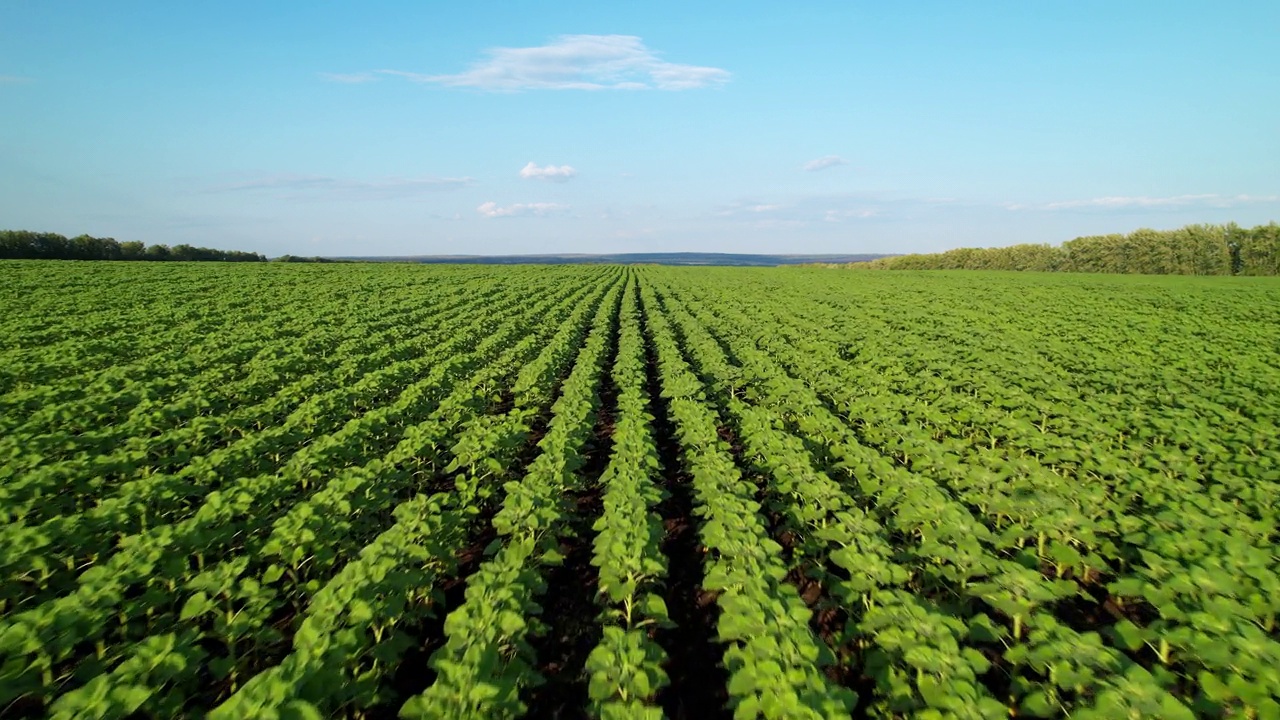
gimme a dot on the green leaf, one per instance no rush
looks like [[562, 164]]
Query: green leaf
[[196, 606], [1129, 636], [654, 608], [272, 574], [1213, 688], [1039, 704]]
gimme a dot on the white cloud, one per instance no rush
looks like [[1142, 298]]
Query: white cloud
[[564, 173], [748, 208], [842, 215], [824, 162], [1174, 201], [810, 209], [493, 210], [576, 62], [310, 184], [350, 78]]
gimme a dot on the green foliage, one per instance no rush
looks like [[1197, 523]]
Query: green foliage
[[27, 245], [1191, 250], [305, 490]]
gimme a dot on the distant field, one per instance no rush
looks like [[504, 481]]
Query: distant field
[[364, 490]]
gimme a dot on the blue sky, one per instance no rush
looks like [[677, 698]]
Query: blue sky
[[482, 127]]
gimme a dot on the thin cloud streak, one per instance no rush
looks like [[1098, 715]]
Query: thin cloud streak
[[14, 80], [575, 62], [835, 216], [1121, 202], [825, 209], [386, 187], [350, 78], [748, 208], [824, 162], [491, 209]]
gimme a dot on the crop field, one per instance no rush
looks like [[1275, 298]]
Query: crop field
[[367, 491]]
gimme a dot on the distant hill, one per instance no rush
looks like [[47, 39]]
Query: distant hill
[[683, 258]]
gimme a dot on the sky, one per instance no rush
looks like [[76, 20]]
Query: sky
[[411, 128]]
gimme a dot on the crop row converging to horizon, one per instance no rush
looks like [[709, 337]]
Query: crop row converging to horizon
[[307, 491]]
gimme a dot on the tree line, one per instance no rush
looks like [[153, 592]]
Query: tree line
[[28, 245], [1192, 250], [309, 259]]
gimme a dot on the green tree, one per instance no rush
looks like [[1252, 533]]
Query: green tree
[[1259, 250]]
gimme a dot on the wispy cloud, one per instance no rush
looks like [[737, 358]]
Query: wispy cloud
[[864, 209], [1144, 201], [493, 210], [824, 162], [835, 216], [299, 185], [350, 78], [748, 208], [574, 62], [14, 80], [277, 182], [564, 173], [809, 210]]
